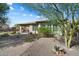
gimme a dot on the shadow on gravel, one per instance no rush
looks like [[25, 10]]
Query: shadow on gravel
[[15, 40], [11, 40]]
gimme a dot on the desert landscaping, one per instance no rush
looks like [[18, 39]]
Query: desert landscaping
[[44, 29], [41, 47]]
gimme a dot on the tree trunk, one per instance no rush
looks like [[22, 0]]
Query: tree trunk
[[65, 37], [70, 38]]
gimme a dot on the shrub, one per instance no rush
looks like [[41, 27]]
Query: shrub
[[13, 32], [5, 35], [44, 32], [29, 38]]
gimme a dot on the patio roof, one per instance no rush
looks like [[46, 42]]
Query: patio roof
[[43, 21], [33, 23], [24, 24]]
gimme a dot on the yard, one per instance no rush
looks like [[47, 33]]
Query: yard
[[57, 35], [16, 46]]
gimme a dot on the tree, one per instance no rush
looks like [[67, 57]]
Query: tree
[[4, 8], [63, 15]]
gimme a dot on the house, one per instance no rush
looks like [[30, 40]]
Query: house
[[26, 28]]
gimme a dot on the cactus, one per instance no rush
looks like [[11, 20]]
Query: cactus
[[58, 51], [56, 48]]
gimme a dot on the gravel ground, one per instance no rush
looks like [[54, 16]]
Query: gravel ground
[[44, 46], [41, 47], [14, 50], [13, 45]]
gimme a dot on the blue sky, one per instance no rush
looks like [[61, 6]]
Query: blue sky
[[20, 14]]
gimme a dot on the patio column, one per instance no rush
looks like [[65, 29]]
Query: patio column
[[46, 26], [20, 29], [30, 28], [39, 25], [52, 27]]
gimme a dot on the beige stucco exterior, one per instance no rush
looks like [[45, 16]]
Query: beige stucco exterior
[[29, 28]]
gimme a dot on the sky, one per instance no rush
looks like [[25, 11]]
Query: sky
[[19, 14]]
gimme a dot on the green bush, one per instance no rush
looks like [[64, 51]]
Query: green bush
[[5, 35], [44, 32], [29, 38], [13, 32]]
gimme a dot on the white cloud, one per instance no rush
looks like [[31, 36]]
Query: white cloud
[[9, 3], [24, 14], [37, 16], [22, 8], [11, 8], [31, 15]]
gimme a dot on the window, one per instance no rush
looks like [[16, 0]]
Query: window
[[34, 27]]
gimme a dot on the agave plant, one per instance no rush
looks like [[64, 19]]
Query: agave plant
[[57, 48], [59, 51]]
